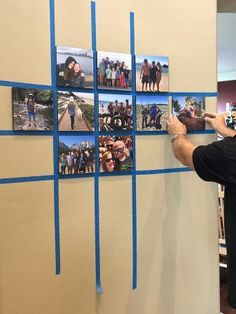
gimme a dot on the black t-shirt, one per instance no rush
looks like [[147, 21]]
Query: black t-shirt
[[216, 162]]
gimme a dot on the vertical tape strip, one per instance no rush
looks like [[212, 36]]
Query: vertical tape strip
[[96, 176], [134, 204], [55, 137]]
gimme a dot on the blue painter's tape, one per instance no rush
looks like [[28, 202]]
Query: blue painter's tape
[[163, 171], [75, 89], [25, 133], [175, 94], [79, 133], [26, 179], [99, 288], [24, 85], [55, 137], [134, 204], [76, 176]]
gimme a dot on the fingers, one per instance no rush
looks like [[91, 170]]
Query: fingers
[[210, 114]]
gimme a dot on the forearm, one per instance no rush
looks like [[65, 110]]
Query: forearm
[[183, 150], [226, 132]]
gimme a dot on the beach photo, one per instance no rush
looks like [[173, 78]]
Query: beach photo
[[190, 110], [115, 153], [76, 154], [32, 109], [115, 112], [152, 74], [114, 71], [74, 67], [75, 111], [152, 113]]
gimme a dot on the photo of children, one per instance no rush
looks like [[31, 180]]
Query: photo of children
[[115, 112], [76, 154], [75, 111], [74, 67], [114, 71], [115, 153], [190, 110], [152, 74], [32, 109], [151, 113]]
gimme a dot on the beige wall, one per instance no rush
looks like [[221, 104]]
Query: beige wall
[[177, 213]]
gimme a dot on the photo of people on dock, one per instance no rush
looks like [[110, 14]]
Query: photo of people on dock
[[190, 110], [114, 71], [74, 67], [152, 74], [115, 153], [32, 109], [115, 112], [152, 113], [76, 155], [75, 111]]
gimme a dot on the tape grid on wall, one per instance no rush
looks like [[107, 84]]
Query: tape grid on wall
[[55, 134]]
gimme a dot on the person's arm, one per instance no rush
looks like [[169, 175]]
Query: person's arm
[[182, 147], [217, 122], [183, 150]]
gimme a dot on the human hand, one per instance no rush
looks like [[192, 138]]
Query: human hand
[[216, 121], [174, 126]]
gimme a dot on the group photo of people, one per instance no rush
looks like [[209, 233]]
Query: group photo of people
[[114, 71], [152, 74], [190, 110], [115, 153], [152, 113], [32, 109], [76, 155], [115, 112], [75, 111], [74, 67]]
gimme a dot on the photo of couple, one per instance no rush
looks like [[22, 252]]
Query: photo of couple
[[75, 111], [152, 113], [190, 110], [114, 71], [74, 67], [152, 74], [115, 153], [115, 112]]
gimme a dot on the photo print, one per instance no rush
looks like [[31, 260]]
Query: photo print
[[152, 113], [190, 110], [115, 153], [75, 111], [74, 67], [152, 74], [76, 154], [114, 71], [32, 109], [115, 112]]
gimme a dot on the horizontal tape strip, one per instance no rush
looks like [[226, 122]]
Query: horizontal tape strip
[[26, 179], [103, 91], [92, 175]]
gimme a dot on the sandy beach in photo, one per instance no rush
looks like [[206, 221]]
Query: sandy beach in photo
[[164, 84]]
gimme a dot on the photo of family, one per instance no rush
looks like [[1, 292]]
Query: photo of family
[[115, 153], [76, 154], [152, 74], [32, 109], [190, 110], [74, 67], [75, 111], [114, 71], [151, 113], [115, 112]]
